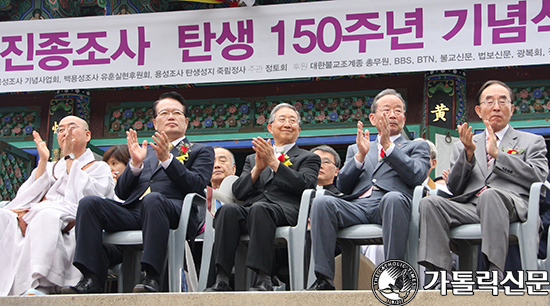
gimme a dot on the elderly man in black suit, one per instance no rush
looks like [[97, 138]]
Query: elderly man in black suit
[[153, 188], [271, 186]]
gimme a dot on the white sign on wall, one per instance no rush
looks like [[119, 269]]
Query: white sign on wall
[[344, 37]]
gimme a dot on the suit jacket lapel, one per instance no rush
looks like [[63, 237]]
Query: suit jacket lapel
[[481, 154], [155, 164], [176, 151], [292, 153], [509, 141], [153, 161], [399, 143]]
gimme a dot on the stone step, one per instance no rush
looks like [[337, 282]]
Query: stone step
[[299, 298]]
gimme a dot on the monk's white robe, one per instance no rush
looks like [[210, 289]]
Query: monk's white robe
[[43, 257]]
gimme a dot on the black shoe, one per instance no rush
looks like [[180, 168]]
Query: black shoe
[[321, 284], [149, 284], [219, 286], [262, 286], [85, 285]]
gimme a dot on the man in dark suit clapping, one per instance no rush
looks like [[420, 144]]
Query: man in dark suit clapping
[[271, 186], [153, 187]]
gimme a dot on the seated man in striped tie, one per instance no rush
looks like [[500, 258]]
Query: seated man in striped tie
[[378, 179], [157, 179], [490, 177]]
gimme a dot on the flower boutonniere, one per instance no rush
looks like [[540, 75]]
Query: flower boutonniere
[[184, 150], [515, 150], [283, 158]]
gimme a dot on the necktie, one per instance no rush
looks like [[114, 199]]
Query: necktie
[[489, 157], [381, 152], [489, 160]]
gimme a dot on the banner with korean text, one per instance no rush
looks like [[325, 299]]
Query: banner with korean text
[[332, 38]]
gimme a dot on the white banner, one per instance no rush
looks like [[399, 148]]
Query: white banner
[[344, 37]]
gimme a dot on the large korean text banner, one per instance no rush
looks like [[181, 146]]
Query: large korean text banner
[[345, 37]]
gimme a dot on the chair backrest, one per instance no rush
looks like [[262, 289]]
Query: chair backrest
[[225, 192]]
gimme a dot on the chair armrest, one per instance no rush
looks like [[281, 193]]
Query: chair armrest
[[305, 202], [529, 229], [188, 201], [414, 226], [534, 198], [227, 191], [223, 197]]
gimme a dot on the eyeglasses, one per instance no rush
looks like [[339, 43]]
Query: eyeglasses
[[63, 129], [396, 111], [283, 120], [491, 102], [327, 161], [175, 113]]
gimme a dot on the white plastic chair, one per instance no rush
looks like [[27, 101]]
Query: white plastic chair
[[224, 195], [351, 238], [524, 233], [292, 237], [544, 264], [131, 243]]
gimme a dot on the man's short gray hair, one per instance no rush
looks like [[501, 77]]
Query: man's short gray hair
[[325, 148], [279, 106], [231, 153], [385, 92], [433, 149]]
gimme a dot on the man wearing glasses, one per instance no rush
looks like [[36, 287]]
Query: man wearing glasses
[[490, 177], [330, 164], [153, 187], [271, 186], [36, 228], [377, 180]]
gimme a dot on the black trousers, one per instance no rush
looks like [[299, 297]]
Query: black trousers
[[260, 221], [155, 215]]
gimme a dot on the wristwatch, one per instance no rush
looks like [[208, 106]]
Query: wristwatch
[[70, 156]]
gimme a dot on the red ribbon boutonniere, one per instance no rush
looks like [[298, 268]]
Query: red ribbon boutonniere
[[513, 151], [184, 150], [285, 160]]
